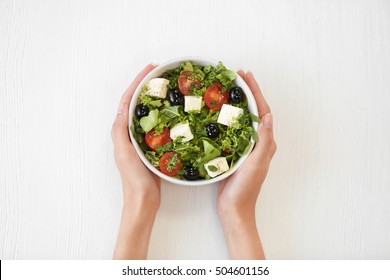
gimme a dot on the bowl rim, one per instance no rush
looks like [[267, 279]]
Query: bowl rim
[[170, 64]]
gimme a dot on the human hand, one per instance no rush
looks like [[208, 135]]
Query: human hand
[[141, 188], [237, 195], [137, 181]]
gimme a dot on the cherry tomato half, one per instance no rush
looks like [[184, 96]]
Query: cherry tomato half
[[152, 140], [170, 164], [186, 80], [214, 98]]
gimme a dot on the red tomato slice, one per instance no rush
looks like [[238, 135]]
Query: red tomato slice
[[186, 80], [214, 98], [170, 166], [152, 140]]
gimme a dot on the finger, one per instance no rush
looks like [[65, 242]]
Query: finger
[[128, 94], [241, 73], [262, 105], [266, 146], [120, 130]]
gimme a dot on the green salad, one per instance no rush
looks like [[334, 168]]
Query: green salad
[[193, 122]]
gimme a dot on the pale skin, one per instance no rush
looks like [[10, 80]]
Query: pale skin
[[236, 199]]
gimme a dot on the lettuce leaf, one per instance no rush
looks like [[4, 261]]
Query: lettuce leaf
[[153, 157], [211, 150], [254, 118], [150, 101], [187, 66], [171, 112], [148, 122]]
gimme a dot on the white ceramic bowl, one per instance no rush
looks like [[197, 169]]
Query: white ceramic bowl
[[157, 72]]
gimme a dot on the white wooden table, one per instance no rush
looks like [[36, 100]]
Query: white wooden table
[[324, 67]]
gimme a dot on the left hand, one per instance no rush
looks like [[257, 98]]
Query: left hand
[[237, 195]]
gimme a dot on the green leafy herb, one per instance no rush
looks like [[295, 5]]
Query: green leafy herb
[[172, 76], [170, 112], [163, 149], [254, 134], [187, 66], [207, 69], [153, 157], [226, 77], [150, 101], [173, 162], [254, 118], [212, 168]]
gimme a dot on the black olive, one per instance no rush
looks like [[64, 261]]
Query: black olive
[[191, 173], [175, 97], [212, 130], [236, 95], [141, 111]]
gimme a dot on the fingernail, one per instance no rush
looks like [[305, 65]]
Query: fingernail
[[120, 109], [154, 64], [268, 120]]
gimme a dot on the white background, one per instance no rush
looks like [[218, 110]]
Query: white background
[[323, 66]]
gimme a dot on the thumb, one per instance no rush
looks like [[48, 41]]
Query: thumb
[[266, 147], [120, 130]]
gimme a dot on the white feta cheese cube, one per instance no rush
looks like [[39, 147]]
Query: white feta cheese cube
[[229, 114], [192, 103], [157, 87], [216, 166], [181, 130]]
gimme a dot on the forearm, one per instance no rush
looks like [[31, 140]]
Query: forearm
[[135, 231], [241, 236]]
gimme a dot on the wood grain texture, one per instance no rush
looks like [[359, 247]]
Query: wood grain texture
[[323, 66]]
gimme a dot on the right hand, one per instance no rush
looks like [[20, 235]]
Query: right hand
[[138, 183]]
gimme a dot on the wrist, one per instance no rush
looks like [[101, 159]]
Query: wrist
[[241, 235], [143, 197], [231, 211], [237, 217], [138, 216], [140, 203]]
